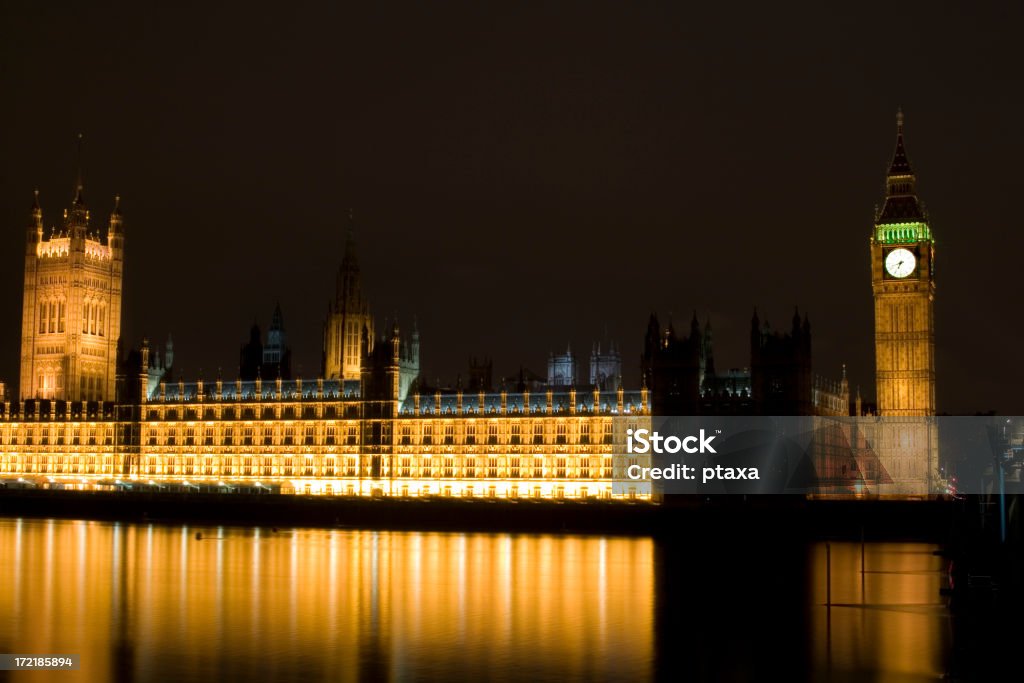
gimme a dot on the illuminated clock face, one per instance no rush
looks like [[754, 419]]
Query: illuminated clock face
[[900, 262]]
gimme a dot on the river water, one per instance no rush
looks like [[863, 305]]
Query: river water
[[153, 602]]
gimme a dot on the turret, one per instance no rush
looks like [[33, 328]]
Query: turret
[[396, 344], [708, 348], [76, 220], [144, 372], [35, 227], [115, 230], [169, 353], [414, 344]]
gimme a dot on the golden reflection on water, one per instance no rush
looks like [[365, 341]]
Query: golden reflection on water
[[150, 602], [887, 618]]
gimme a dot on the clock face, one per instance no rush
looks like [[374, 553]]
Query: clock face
[[900, 262]]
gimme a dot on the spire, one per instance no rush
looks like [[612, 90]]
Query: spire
[[77, 218], [900, 165], [79, 198], [348, 294], [277, 320], [114, 227], [901, 202], [37, 214]]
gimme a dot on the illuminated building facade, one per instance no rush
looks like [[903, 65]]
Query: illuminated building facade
[[71, 315], [362, 429], [369, 427], [333, 437]]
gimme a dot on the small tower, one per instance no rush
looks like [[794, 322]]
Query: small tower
[[562, 368], [605, 366], [277, 357]]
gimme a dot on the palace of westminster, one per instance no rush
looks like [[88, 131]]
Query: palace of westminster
[[89, 415]]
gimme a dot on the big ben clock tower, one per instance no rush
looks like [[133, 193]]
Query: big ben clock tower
[[903, 282]]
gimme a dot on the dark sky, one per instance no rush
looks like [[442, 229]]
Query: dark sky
[[523, 176]]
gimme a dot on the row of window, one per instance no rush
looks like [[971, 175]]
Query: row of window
[[249, 435], [291, 412], [53, 317], [57, 434], [58, 464], [492, 467], [447, 467]]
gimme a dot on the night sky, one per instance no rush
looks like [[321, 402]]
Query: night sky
[[522, 177]]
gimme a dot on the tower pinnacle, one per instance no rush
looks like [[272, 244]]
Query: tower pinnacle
[[900, 165], [79, 199], [901, 202]]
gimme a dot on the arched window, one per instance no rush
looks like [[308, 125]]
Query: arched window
[[42, 325], [60, 316]]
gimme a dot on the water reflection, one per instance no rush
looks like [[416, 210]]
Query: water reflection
[[886, 612], [144, 602], [155, 603]]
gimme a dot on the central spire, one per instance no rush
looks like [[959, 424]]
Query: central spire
[[349, 291]]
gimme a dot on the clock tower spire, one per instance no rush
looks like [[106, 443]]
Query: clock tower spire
[[903, 282]]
